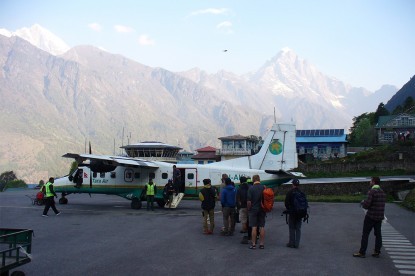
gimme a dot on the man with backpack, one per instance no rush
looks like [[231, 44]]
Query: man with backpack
[[208, 196], [256, 213], [297, 205]]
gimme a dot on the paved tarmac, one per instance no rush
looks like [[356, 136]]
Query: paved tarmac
[[101, 235]]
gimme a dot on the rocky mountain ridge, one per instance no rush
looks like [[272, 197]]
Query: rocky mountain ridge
[[55, 104]]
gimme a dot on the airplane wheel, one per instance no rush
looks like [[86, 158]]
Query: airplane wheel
[[136, 203], [63, 200], [160, 203]]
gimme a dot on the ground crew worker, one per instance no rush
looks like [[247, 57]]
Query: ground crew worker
[[49, 201], [151, 190]]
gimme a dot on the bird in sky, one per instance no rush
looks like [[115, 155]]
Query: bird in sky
[[225, 50]]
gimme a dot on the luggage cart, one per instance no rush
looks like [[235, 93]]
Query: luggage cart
[[15, 248], [38, 199]]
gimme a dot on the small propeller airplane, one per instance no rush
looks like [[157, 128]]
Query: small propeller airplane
[[127, 176]]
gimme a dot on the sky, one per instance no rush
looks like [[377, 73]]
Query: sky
[[364, 43]]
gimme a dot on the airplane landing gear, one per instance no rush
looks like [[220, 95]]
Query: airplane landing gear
[[160, 203], [136, 203], [63, 200]]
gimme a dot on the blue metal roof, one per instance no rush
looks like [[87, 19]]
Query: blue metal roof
[[323, 139]]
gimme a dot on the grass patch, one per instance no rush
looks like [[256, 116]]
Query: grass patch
[[335, 198], [409, 201], [368, 173]]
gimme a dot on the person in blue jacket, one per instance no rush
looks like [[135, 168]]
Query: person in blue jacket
[[228, 200]]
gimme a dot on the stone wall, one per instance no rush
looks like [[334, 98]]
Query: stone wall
[[391, 187]]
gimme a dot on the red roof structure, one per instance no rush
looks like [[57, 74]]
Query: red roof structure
[[206, 153]]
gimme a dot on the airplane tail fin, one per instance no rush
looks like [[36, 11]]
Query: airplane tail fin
[[278, 152]]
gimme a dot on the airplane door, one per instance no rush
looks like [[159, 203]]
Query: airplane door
[[191, 181]]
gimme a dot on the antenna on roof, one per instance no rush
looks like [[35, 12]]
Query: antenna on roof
[[275, 118]]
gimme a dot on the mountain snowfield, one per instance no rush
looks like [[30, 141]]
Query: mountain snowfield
[[56, 98]]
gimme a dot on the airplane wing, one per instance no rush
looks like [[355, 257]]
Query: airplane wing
[[285, 173], [111, 160]]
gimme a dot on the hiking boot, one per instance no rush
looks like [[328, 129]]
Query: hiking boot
[[376, 254], [359, 255]]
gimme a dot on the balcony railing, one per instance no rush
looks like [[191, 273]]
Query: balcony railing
[[239, 152]]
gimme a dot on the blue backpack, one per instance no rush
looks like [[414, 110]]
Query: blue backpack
[[300, 204]]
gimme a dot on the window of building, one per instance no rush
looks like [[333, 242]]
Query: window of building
[[200, 162], [404, 121], [388, 136], [335, 149]]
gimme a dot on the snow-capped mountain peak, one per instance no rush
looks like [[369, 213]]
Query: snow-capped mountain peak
[[41, 38]]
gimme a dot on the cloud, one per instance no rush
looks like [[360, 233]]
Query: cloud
[[123, 29], [95, 27], [225, 26], [145, 40], [210, 11]]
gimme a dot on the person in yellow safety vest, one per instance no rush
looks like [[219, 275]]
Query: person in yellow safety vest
[[47, 189], [151, 190]]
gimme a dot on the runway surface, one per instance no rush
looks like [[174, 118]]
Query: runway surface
[[101, 235]]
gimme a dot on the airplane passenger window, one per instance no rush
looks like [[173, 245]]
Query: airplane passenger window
[[102, 175], [112, 174], [164, 175], [190, 176], [137, 175]]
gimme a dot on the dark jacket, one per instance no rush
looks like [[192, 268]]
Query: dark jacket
[[375, 203], [228, 196], [242, 195], [208, 197]]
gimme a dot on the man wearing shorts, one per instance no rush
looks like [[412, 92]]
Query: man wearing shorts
[[256, 214]]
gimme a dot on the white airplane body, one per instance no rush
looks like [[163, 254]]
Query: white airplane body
[[127, 177]]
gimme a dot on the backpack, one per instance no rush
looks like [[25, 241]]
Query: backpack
[[267, 201], [300, 204]]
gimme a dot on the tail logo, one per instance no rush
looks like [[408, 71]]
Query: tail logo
[[275, 147]]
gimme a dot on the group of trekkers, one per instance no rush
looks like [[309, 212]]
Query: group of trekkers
[[243, 203]]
